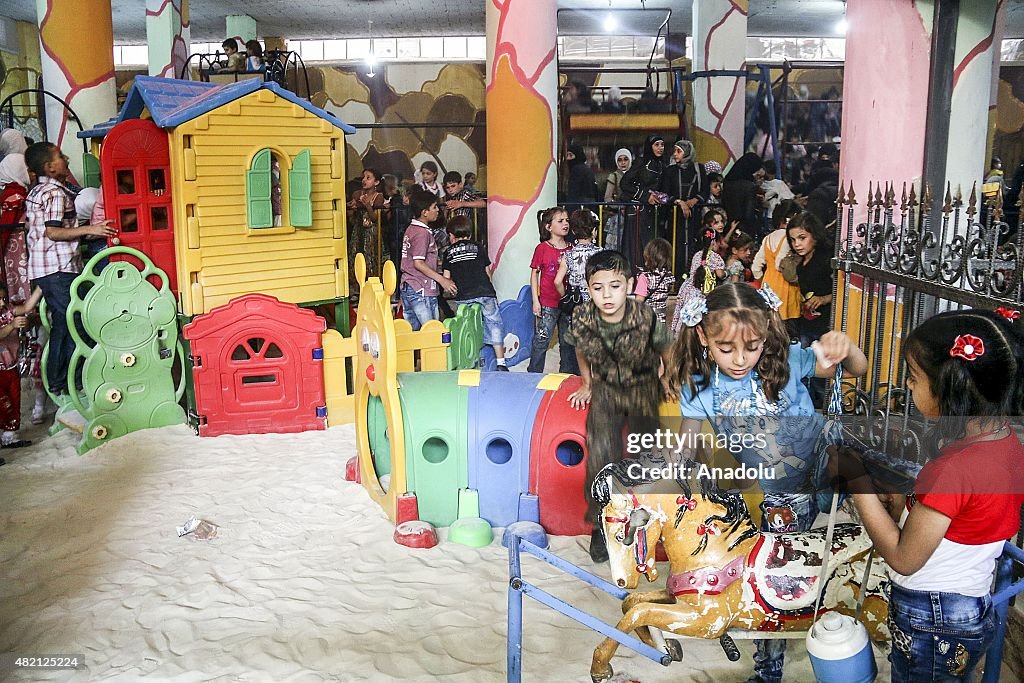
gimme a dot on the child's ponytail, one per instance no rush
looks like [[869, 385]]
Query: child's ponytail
[[544, 219]]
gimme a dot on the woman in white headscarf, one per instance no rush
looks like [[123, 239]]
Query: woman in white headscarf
[[613, 193], [12, 142]]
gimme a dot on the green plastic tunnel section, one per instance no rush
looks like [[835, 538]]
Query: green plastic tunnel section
[[435, 409], [377, 430]]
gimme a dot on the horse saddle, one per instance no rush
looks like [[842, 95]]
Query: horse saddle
[[783, 570]]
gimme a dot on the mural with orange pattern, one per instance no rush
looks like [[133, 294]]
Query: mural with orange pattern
[[522, 92]]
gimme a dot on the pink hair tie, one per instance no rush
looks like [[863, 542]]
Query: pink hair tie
[[968, 347]]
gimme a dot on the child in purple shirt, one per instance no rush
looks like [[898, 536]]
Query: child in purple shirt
[[420, 279]]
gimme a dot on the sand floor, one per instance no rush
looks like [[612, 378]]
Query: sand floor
[[302, 583]]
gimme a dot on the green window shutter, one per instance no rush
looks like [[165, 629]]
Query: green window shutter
[[90, 170], [257, 191], [300, 191]]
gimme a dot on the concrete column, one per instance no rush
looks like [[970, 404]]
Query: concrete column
[[241, 27], [885, 94], [978, 38], [168, 36], [78, 67], [719, 43], [522, 105]]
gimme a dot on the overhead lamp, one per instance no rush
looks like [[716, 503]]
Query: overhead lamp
[[610, 23], [840, 27], [371, 59]]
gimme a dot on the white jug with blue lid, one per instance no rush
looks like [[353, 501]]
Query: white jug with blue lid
[[840, 650]]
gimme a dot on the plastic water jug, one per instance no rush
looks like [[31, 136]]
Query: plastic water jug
[[840, 651]]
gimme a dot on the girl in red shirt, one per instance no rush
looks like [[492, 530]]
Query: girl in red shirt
[[965, 370], [554, 229]]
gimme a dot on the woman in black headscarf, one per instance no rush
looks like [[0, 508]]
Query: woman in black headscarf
[[582, 185], [687, 187], [739, 193], [643, 178]]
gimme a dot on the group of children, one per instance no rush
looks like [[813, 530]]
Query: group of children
[[733, 363], [750, 350], [558, 280], [251, 60], [462, 270], [378, 211]]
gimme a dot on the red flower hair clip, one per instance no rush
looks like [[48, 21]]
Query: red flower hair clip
[[1008, 313], [968, 347]]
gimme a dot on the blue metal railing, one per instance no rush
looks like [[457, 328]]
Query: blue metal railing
[[517, 587], [1005, 589]]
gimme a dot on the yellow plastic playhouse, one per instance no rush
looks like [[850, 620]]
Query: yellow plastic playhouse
[[231, 188]]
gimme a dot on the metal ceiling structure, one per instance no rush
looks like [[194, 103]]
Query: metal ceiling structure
[[321, 19]]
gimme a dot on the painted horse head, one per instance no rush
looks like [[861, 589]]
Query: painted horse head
[[698, 529], [633, 530]]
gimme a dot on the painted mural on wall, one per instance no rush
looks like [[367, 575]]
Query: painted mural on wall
[[403, 94]]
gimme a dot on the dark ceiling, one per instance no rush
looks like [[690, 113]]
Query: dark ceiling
[[396, 18]]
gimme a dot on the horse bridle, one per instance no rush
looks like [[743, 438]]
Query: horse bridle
[[639, 539]]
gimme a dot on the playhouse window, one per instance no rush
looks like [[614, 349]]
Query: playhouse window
[[126, 182], [158, 218], [269, 191], [157, 182]]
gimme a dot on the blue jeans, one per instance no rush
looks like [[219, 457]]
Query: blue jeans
[[91, 247], [57, 294], [416, 308], [937, 636], [545, 325], [781, 513]]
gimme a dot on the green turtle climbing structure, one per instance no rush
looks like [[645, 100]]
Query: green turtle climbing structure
[[126, 340]]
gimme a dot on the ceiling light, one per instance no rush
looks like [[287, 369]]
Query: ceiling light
[[371, 58], [610, 23], [840, 27]]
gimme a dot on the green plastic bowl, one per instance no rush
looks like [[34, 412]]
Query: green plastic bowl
[[474, 532]]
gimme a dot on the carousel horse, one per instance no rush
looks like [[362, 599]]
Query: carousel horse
[[723, 572]]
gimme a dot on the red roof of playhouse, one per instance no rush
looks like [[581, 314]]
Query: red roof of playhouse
[[251, 307]]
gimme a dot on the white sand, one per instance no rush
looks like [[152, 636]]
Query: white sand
[[303, 582]]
